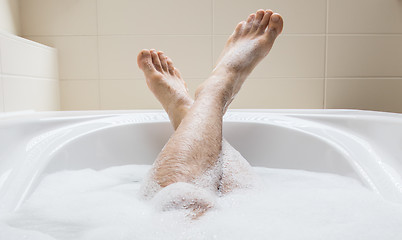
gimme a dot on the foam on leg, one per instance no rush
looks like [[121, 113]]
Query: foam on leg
[[236, 171], [184, 196]]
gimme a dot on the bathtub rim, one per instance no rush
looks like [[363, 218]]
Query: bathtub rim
[[88, 116], [31, 114]]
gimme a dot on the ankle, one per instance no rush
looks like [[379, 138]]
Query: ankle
[[177, 111], [178, 106], [216, 93]]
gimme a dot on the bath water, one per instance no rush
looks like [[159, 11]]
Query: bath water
[[290, 204]]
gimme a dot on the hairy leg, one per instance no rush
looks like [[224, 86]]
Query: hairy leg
[[197, 142], [166, 83]]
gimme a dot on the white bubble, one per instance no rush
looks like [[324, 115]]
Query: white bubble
[[290, 204]]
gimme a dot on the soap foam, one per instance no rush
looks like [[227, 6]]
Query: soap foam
[[290, 204]]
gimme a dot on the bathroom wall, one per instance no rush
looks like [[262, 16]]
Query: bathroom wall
[[9, 16], [332, 53], [28, 75], [28, 70]]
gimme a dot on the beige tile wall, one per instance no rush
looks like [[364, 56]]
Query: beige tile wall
[[332, 54]]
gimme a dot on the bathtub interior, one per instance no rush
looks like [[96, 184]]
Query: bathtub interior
[[312, 142], [267, 146]]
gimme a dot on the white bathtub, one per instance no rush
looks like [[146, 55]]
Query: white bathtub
[[363, 145]]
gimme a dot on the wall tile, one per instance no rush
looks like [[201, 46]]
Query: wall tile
[[361, 56], [79, 95], [256, 93], [308, 16], [291, 56], [49, 96], [127, 94], [155, 17], [118, 55], [365, 16], [369, 94], [23, 57], [24, 93], [281, 93], [78, 55], [192, 85], [290, 77], [58, 17]]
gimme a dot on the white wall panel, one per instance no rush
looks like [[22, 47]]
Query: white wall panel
[[24, 57], [25, 93]]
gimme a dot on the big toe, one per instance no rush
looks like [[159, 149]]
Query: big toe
[[144, 61], [275, 25]]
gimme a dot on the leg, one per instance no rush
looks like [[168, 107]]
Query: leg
[[184, 156], [170, 89], [179, 163], [165, 82]]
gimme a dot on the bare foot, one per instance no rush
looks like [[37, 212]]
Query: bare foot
[[250, 42], [164, 80]]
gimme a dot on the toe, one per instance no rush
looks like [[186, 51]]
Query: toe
[[258, 17], [163, 60], [170, 66], [275, 25], [177, 73], [144, 61], [238, 30], [265, 21], [156, 61], [249, 23]]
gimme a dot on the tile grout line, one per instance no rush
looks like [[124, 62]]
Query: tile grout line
[[228, 34], [204, 77], [29, 76], [97, 56], [326, 58], [366, 77]]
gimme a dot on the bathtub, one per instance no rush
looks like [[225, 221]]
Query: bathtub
[[363, 145]]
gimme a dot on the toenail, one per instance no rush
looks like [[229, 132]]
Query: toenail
[[275, 18]]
